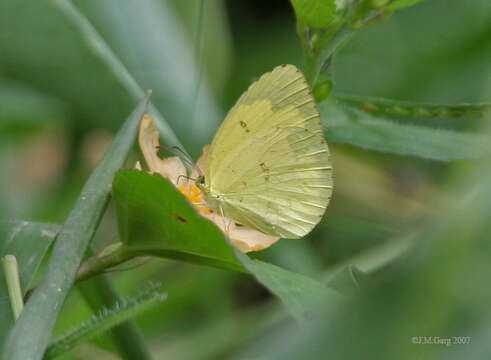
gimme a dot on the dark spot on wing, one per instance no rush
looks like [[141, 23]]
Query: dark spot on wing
[[244, 125], [264, 167]]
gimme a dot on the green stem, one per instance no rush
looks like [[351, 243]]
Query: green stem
[[316, 60], [107, 319], [335, 43], [310, 58], [111, 256], [311, 69], [404, 108], [99, 292], [11, 271]]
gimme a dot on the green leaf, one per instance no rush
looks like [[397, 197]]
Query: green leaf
[[304, 297], [376, 105], [39, 316], [399, 4], [156, 219], [358, 128], [316, 14], [28, 241]]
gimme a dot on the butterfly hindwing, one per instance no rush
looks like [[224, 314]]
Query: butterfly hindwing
[[269, 161]]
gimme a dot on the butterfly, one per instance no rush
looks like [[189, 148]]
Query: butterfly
[[268, 166]]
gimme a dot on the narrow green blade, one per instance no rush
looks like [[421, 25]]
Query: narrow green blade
[[39, 316]]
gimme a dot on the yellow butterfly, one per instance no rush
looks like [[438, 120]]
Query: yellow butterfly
[[268, 166]]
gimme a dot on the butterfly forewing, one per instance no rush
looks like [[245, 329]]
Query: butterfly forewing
[[269, 163]]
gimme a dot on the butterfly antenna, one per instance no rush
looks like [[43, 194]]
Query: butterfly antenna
[[190, 162], [177, 151], [184, 176]]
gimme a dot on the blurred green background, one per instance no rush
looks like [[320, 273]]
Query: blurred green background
[[60, 106]]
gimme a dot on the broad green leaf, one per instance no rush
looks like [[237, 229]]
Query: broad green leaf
[[399, 4], [358, 128], [28, 242], [304, 297], [156, 219], [316, 14], [39, 316]]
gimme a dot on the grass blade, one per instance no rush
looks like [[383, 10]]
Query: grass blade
[[39, 316], [28, 242], [101, 49], [357, 128], [421, 110], [11, 271]]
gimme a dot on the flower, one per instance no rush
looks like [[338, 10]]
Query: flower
[[244, 238]]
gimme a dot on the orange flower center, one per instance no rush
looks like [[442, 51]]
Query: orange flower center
[[195, 197]]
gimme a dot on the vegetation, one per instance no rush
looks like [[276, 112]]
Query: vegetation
[[102, 261]]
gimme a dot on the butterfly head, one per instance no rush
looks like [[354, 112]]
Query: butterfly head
[[200, 182]]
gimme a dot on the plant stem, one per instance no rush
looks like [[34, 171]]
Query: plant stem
[[99, 292], [311, 68], [335, 43], [106, 319], [315, 59], [111, 256], [11, 271]]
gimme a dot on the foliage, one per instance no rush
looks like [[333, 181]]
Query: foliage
[[402, 253]]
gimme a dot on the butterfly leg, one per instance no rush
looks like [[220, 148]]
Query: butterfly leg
[[226, 225]]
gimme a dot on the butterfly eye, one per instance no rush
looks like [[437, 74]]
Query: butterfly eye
[[200, 181]]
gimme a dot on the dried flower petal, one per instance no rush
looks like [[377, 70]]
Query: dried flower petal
[[171, 168]]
